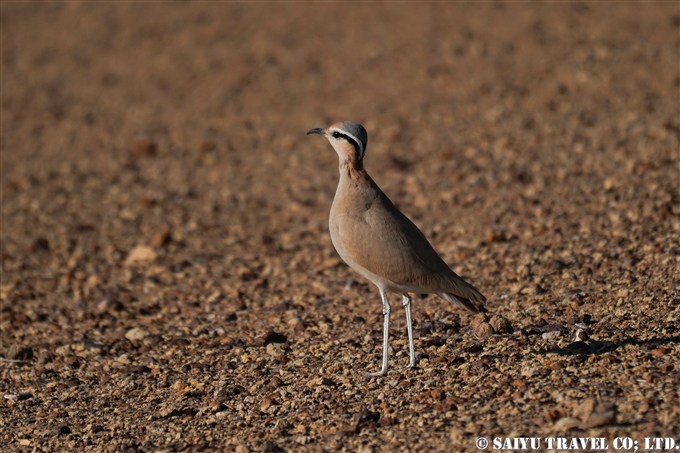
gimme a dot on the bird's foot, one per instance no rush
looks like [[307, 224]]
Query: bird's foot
[[382, 372], [410, 366]]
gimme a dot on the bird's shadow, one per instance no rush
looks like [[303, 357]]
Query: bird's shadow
[[587, 348]]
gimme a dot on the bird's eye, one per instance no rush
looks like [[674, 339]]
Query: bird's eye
[[337, 134]]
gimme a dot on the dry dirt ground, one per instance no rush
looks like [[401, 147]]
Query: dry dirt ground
[[168, 281]]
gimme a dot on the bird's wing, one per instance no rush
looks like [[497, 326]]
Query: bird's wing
[[388, 244]]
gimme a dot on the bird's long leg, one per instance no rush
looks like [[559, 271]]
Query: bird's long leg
[[386, 333], [409, 327]]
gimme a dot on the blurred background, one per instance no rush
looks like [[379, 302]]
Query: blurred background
[[156, 173]]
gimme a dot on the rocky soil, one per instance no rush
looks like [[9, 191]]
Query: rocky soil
[[168, 281]]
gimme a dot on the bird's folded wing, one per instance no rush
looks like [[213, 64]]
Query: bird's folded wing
[[387, 243]]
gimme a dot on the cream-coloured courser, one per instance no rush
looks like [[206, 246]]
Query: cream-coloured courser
[[381, 243]]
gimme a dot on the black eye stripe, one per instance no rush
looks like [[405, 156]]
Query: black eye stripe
[[353, 142]]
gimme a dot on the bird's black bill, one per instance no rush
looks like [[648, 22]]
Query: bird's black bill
[[317, 130]]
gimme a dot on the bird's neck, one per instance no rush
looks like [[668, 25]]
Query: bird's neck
[[353, 168]]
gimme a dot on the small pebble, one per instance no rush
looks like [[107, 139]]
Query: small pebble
[[551, 335], [142, 147], [20, 352], [140, 254], [270, 337], [136, 333], [581, 335], [483, 330], [500, 324], [271, 447]]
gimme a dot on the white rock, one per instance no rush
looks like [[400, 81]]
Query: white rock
[[136, 333]]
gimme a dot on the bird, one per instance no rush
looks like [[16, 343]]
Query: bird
[[383, 245]]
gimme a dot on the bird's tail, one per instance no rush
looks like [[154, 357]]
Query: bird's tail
[[462, 302]]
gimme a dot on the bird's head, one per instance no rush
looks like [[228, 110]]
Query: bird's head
[[348, 139]]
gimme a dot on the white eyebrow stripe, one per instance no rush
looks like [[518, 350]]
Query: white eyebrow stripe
[[356, 140]]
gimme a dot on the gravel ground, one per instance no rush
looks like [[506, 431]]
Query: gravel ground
[[168, 281]]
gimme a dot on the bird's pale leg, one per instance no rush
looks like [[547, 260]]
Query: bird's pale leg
[[409, 327], [386, 333]]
